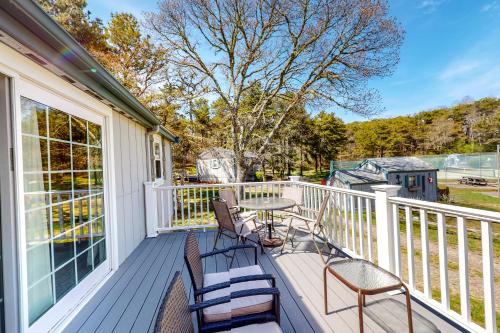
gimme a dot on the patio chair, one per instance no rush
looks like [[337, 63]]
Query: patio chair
[[229, 196], [209, 286], [233, 227], [174, 315], [297, 195], [314, 227]]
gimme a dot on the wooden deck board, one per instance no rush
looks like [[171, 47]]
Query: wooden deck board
[[130, 299]]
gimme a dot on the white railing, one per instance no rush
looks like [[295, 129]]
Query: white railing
[[414, 239], [453, 239]]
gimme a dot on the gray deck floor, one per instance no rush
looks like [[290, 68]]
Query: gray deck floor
[[129, 300]]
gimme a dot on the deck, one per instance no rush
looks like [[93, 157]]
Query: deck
[[129, 300]]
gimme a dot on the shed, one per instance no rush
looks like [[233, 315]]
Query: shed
[[218, 165], [418, 179]]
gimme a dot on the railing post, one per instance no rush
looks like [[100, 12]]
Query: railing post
[[151, 204], [385, 225]]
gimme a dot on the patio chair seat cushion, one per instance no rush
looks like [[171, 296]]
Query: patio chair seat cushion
[[244, 228], [237, 307], [269, 327]]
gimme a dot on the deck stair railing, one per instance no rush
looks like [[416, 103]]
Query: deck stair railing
[[448, 255]]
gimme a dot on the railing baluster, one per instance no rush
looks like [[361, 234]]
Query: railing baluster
[[207, 194], [361, 232], [488, 277], [202, 217], [424, 232], [443, 260], [182, 206], [410, 247], [346, 222], [369, 228], [397, 245], [463, 268], [188, 205], [195, 207], [353, 224]]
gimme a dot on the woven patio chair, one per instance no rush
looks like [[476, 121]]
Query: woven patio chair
[[209, 286], [313, 227], [238, 229], [174, 315], [229, 196]]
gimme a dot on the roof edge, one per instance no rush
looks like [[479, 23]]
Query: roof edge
[[42, 27]]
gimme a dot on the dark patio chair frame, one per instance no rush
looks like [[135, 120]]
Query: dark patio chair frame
[[193, 259], [227, 227], [176, 313]]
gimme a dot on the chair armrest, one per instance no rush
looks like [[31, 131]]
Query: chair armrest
[[300, 217], [211, 288], [255, 292], [209, 303], [231, 248], [255, 278]]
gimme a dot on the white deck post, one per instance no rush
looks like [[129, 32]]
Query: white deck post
[[151, 205], [385, 225]]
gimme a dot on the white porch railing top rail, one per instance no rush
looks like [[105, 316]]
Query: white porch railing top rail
[[471, 213]]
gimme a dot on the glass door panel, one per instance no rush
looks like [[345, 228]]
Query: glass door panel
[[64, 202]]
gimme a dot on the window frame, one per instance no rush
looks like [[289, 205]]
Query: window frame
[[67, 306]]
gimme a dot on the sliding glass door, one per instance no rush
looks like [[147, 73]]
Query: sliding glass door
[[64, 215]]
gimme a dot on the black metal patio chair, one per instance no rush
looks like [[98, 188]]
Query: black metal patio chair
[[174, 315], [208, 286]]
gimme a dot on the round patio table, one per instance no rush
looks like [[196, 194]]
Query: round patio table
[[268, 205]]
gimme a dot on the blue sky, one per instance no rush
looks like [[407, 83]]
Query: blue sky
[[451, 50]]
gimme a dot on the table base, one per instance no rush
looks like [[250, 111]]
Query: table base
[[272, 242]]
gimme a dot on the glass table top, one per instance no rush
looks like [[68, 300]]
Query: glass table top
[[270, 203], [363, 274]]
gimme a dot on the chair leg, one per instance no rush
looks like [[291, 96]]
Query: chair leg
[[234, 252], [217, 236], [325, 290], [360, 312], [286, 237], [408, 309]]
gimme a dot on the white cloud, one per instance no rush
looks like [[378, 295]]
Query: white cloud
[[494, 5], [430, 5], [459, 69]]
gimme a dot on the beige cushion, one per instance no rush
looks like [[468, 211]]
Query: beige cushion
[[222, 311], [270, 327], [239, 306], [244, 228], [251, 304]]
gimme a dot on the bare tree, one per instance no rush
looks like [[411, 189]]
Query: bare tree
[[296, 50]]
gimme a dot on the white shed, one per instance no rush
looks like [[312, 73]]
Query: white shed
[[217, 165]]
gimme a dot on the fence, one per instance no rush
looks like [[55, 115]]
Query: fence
[[451, 166]]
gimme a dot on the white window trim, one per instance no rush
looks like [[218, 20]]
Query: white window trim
[[62, 95]]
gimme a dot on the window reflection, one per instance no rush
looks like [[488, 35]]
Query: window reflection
[[58, 125], [63, 200]]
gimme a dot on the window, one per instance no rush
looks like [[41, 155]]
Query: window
[[215, 163], [412, 181], [157, 161], [63, 202]]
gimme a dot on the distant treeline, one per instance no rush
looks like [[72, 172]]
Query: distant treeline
[[464, 128]]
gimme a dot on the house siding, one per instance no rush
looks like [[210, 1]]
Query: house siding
[[130, 174], [430, 193]]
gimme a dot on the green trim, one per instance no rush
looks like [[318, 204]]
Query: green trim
[[28, 24]]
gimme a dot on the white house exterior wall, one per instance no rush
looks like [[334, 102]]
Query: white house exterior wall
[[131, 172], [126, 160]]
